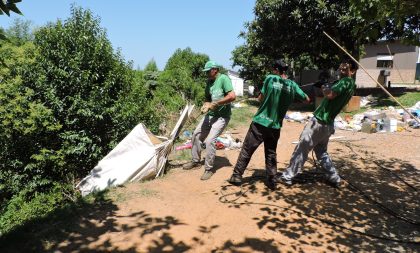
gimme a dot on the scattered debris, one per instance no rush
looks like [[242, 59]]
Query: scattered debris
[[187, 145], [298, 116], [387, 120], [225, 141]]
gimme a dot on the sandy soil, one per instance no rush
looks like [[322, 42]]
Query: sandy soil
[[181, 213]]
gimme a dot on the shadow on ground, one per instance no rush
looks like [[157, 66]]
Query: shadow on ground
[[376, 209], [310, 214], [74, 228]]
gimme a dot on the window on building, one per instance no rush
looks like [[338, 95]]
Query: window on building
[[384, 61]]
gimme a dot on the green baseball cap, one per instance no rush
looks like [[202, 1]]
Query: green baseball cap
[[211, 65]]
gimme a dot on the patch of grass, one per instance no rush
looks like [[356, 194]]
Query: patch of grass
[[42, 232], [124, 193], [383, 101], [183, 155], [241, 116], [148, 193], [407, 99]]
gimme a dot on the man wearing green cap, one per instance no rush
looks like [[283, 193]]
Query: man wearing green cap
[[218, 96], [277, 94]]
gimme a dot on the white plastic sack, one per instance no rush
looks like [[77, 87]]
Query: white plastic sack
[[133, 159], [130, 157]]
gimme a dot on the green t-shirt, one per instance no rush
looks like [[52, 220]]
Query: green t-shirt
[[278, 95], [328, 109], [216, 90]]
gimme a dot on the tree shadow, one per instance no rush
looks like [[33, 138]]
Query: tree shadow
[[311, 213], [75, 227], [249, 245], [220, 162]]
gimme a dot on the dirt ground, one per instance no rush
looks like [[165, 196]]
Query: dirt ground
[[181, 213]]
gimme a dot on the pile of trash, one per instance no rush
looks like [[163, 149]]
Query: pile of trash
[[371, 121], [386, 120], [225, 141]]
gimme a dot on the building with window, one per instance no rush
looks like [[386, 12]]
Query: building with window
[[389, 62]]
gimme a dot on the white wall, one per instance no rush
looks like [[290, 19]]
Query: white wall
[[238, 85]]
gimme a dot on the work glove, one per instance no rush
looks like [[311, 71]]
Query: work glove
[[205, 108], [213, 106], [208, 106]]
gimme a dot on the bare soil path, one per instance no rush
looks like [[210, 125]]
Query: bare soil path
[[181, 213]]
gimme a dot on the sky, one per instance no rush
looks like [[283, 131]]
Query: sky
[[154, 29]]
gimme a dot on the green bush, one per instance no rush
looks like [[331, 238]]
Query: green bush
[[66, 99], [21, 210]]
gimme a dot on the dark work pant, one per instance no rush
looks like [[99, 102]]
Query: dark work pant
[[255, 136]]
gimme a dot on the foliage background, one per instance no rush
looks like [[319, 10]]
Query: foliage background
[[66, 99], [293, 30]]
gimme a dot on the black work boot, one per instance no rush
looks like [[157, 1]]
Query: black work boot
[[235, 180], [271, 183]]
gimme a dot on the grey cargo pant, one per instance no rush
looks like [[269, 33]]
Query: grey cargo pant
[[206, 132], [315, 136]]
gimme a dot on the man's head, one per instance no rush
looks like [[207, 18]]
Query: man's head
[[347, 68], [280, 66], [211, 68]]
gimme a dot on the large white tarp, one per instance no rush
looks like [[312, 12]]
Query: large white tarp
[[133, 159]]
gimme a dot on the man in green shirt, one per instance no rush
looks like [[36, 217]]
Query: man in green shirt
[[276, 95], [218, 96], [317, 132]]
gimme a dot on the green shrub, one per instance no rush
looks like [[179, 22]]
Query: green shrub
[[21, 210]]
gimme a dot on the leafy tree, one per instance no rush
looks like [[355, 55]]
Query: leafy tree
[[62, 108], [26, 125], [7, 6], [294, 30], [150, 75], [20, 31], [389, 19], [151, 66], [183, 72], [188, 60]]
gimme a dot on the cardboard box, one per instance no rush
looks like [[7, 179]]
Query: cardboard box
[[352, 105]]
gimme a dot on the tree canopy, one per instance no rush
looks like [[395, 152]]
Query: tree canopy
[[294, 30], [7, 6], [389, 19]]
